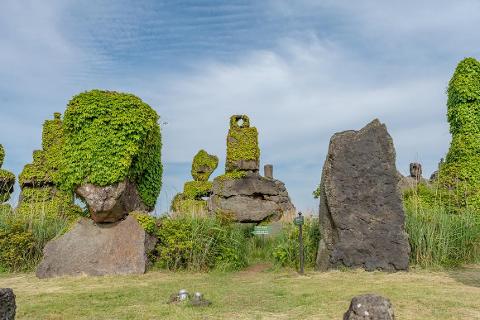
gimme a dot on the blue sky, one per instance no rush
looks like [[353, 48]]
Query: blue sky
[[302, 70]]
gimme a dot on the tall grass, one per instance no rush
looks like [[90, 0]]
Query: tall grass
[[441, 238], [23, 237]]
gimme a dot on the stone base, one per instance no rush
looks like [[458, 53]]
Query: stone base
[[98, 249], [369, 307], [250, 199]]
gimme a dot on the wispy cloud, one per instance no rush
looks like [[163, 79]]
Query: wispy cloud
[[302, 70]]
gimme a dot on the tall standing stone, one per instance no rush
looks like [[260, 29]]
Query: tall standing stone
[[361, 211], [8, 306]]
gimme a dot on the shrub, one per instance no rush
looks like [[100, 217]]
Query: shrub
[[460, 173], [111, 136], [199, 244], [146, 221]]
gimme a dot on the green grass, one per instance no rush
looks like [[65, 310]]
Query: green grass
[[247, 294]]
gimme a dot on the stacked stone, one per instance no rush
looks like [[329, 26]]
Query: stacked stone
[[241, 193], [7, 180], [39, 192], [192, 199]]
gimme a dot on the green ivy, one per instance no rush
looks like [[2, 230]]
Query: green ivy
[[182, 204], [40, 196], [146, 221], [197, 189], [203, 165], [242, 142], [2, 155], [7, 180], [460, 173], [111, 136]]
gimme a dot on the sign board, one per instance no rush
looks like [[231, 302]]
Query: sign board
[[262, 230], [298, 221]]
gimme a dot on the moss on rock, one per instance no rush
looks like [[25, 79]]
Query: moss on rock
[[203, 165], [182, 204], [242, 144], [110, 136]]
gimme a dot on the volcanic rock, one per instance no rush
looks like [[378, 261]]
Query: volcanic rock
[[369, 307], [98, 249], [111, 203], [361, 211], [250, 199], [7, 304]]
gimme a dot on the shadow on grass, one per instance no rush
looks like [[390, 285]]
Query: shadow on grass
[[468, 275]]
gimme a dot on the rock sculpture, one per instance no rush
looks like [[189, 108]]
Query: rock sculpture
[[8, 306], [241, 193], [195, 192], [41, 195], [361, 211], [415, 177], [111, 159], [369, 307], [7, 180]]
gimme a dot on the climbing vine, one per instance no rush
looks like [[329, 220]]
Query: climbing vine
[[111, 136]]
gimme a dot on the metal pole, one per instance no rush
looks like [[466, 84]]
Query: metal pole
[[300, 240]]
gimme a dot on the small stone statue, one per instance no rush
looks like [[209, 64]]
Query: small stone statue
[[416, 170]]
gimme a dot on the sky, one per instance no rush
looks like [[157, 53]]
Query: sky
[[301, 70]]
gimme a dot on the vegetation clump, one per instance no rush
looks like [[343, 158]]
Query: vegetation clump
[[203, 165], [460, 173], [41, 195], [110, 137], [242, 144], [7, 180], [191, 200]]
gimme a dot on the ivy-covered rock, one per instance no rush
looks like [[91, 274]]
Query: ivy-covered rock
[[2, 155], [243, 152], [203, 165], [41, 195], [7, 179], [460, 173], [111, 137], [197, 189]]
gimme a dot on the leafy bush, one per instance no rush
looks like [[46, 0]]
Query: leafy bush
[[199, 244], [146, 221], [111, 136]]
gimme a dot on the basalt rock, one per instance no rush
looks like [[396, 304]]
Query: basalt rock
[[251, 198], [369, 307], [361, 211], [8, 307], [98, 249], [111, 203]]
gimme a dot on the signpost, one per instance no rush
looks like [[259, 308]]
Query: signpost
[[299, 221]]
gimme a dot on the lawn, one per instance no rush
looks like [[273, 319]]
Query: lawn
[[257, 293]]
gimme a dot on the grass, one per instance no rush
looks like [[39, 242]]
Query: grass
[[247, 295]]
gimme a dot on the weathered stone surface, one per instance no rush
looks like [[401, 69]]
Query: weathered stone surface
[[8, 307], [268, 171], [361, 211], [250, 199], [111, 203], [416, 170], [369, 307], [98, 249]]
